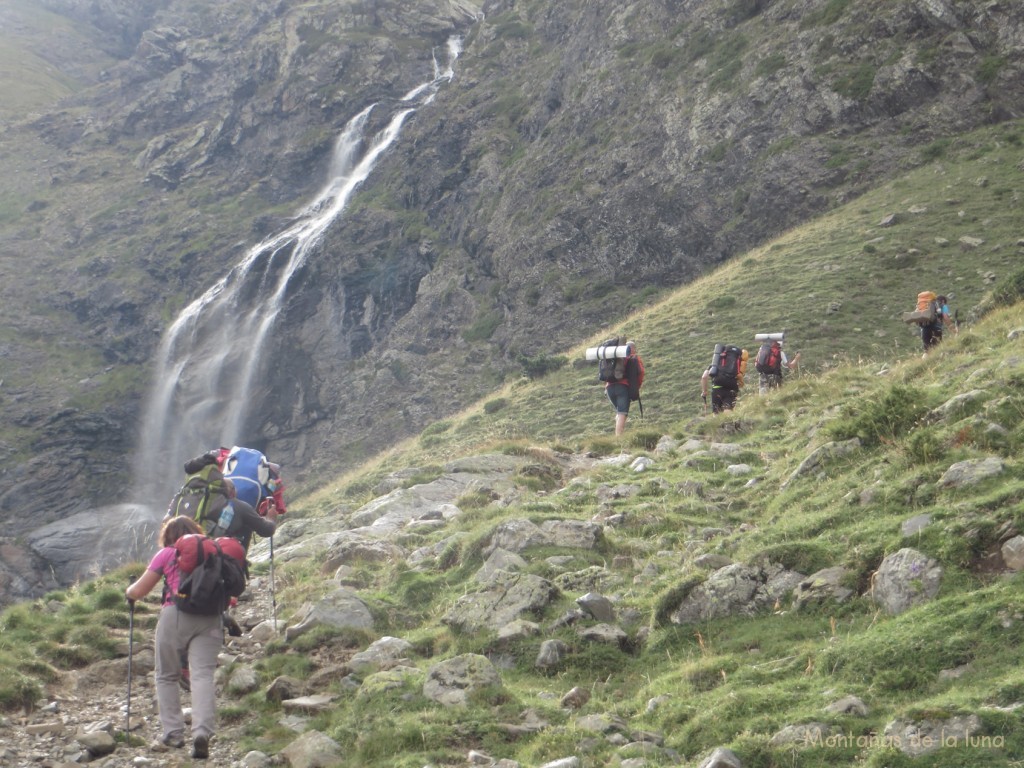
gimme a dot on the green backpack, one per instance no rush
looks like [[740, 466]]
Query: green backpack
[[203, 496]]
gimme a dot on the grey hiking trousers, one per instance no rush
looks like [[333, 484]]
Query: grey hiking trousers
[[203, 637]]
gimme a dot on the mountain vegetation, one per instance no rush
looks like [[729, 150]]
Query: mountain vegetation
[[713, 591], [587, 159]]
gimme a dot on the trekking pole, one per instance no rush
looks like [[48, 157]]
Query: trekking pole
[[273, 597], [131, 643]]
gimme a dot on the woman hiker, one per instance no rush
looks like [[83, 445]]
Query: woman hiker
[[200, 637]]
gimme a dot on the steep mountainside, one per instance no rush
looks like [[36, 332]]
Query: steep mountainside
[[586, 156]]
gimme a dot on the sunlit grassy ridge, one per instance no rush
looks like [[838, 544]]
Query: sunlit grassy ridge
[[838, 287], [29, 78]]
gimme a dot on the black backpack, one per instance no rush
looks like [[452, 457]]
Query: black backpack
[[216, 578], [612, 368], [725, 366]]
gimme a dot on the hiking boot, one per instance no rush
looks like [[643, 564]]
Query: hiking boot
[[168, 742], [232, 626], [201, 747]]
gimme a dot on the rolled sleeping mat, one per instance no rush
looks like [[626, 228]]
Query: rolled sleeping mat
[[713, 368], [770, 336], [607, 353]]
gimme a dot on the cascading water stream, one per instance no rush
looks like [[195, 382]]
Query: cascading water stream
[[211, 355]]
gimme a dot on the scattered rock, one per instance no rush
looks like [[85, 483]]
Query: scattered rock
[[971, 472], [915, 525], [1013, 553], [916, 738], [597, 606], [905, 579], [848, 705], [312, 750], [551, 654], [342, 609], [453, 681], [722, 758], [575, 698]]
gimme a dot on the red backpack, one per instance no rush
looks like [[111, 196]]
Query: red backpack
[[188, 549], [212, 572], [769, 358]]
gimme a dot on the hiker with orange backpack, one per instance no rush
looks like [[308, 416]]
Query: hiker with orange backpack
[[931, 315], [931, 333]]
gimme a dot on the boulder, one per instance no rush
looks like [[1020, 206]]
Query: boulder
[[453, 682], [341, 609], [313, 750], [501, 602], [971, 472], [905, 579]]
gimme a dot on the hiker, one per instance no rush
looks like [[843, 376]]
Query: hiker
[[723, 377], [231, 516], [722, 398], [931, 333], [257, 481], [622, 391], [246, 521], [178, 633], [234, 518], [771, 362]]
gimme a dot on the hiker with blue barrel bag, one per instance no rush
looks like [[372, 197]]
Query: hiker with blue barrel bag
[[622, 371], [257, 480]]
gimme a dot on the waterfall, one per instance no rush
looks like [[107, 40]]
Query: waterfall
[[210, 357]]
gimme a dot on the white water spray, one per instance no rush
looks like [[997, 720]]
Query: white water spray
[[211, 356]]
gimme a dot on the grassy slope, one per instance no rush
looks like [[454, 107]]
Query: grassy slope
[[730, 682], [31, 77]]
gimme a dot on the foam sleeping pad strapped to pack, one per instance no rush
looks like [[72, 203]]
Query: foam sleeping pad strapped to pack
[[927, 309], [607, 353]]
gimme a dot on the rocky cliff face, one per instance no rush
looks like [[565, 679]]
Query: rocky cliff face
[[586, 156]]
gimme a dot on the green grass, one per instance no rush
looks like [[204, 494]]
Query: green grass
[[838, 286], [734, 682], [730, 682]]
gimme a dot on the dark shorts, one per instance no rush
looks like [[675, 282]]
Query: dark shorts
[[619, 395], [931, 335], [722, 399]]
